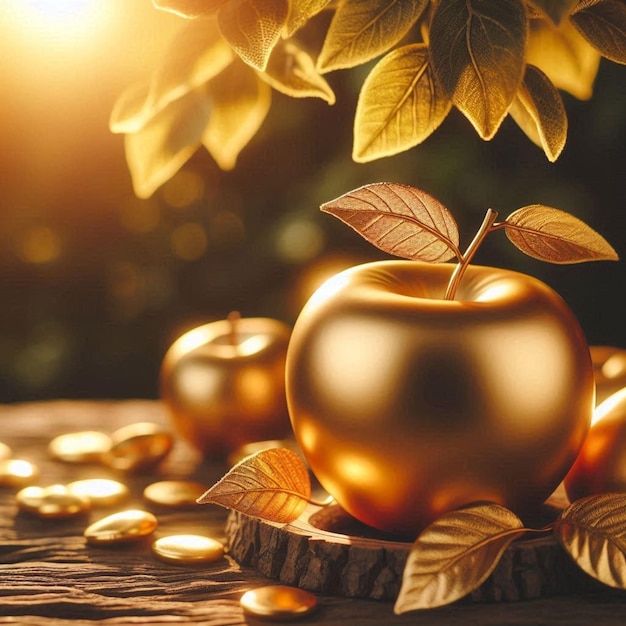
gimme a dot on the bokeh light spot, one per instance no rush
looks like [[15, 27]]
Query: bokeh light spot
[[40, 245], [299, 240], [189, 241], [183, 189]]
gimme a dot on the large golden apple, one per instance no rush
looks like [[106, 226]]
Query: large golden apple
[[407, 405]]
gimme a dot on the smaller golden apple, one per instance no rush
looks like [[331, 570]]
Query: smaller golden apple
[[224, 384], [601, 464]]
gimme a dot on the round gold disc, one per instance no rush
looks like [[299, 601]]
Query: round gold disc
[[17, 473], [188, 549], [139, 446], [130, 525], [88, 446], [100, 491], [278, 602], [53, 502], [174, 493]]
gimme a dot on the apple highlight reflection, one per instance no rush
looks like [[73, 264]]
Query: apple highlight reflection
[[407, 405]]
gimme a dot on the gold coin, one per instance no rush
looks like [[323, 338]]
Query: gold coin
[[278, 602], [87, 446], [100, 491], [17, 473], [130, 525], [139, 446], [5, 451], [174, 493], [55, 501], [188, 549]]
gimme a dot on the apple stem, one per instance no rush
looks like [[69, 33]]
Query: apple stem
[[465, 259], [233, 318]]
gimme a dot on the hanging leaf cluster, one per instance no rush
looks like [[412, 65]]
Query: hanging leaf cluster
[[455, 554], [486, 58]]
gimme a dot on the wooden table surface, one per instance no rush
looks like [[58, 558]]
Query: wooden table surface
[[50, 576]]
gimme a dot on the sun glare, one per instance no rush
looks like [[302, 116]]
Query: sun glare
[[65, 22]]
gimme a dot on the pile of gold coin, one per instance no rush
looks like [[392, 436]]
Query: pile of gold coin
[[134, 448]]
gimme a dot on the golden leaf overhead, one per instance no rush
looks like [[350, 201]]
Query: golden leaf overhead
[[564, 56], [252, 28], [477, 52], [400, 220], [556, 10], [603, 25], [239, 101], [272, 484], [300, 12], [455, 554], [197, 53], [539, 111], [189, 8], [593, 531], [162, 145], [291, 70], [363, 29], [399, 106], [556, 236]]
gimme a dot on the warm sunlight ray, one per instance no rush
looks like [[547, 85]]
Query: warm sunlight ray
[[66, 22]]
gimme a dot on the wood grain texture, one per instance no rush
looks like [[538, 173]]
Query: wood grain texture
[[49, 576]]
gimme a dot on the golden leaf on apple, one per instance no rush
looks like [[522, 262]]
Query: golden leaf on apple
[[455, 554], [272, 484], [400, 220], [593, 531], [555, 236]]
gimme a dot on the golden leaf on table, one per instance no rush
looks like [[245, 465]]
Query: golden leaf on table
[[291, 70], [272, 484], [300, 12], [399, 106], [455, 554], [593, 532], [556, 10], [240, 101], [363, 29], [189, 8], [603, 25], [539, 111], [556, 236], [564, 56], [477, 52], [252, 28], [400, 220]]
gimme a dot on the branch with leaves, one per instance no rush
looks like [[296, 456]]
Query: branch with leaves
[[410, 223], [456, 553], [487, 58]]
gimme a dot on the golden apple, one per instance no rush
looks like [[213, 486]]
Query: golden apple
[[407, 405], [601, 464], [224, 384]]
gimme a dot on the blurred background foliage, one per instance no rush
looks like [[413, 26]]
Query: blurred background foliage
[[95, 284]]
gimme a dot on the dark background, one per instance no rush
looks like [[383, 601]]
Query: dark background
[[95, 284]]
